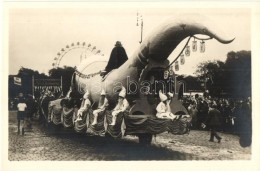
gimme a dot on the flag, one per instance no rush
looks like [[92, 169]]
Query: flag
[[17, 81]]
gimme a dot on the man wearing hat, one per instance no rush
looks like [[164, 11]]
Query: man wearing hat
[[102, 105], [163, 108], [121, 106], [85, 106], [117, 58]]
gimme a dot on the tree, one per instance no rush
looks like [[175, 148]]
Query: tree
[[192, 83], [232, 77], [212, 75], [66, 74], [238, 71], [26, 75]]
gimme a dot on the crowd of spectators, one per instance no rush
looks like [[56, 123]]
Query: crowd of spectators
[[234, 112]]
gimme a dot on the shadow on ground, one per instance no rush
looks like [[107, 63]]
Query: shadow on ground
[[118, 149]]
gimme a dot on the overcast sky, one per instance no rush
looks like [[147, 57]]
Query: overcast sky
[[36, 35]]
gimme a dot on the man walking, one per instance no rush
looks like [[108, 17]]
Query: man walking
[[21, 106], [213, 121]]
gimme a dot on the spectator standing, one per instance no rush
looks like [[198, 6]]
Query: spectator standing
[[213, 121], [193, 112], [244, 124], [21, 106]]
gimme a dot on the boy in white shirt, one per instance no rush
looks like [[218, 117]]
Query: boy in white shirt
[[21, 106]]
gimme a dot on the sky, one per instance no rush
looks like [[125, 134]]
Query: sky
[[36, 35]]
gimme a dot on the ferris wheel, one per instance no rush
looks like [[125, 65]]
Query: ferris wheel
[[87, 50]]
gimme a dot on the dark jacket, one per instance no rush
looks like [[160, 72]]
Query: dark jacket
[[214, 118], [118, 57]]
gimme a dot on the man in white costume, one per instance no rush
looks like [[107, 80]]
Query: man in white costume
[[163, 108], [102, 105], [121, 106], [85, 105]]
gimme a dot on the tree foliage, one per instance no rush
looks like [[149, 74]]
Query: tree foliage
[[65, 73], [231, 78], [27, 74], [193, 84]]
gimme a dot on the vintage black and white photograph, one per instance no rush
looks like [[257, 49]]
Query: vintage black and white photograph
[[129, 83]]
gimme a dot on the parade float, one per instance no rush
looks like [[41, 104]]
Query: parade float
[[146, 72]]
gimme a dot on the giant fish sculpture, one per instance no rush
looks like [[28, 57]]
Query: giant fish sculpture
[[144, 67], [143, 76]]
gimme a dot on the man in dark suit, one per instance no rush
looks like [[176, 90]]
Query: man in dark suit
[[117, 58], [213, 121]]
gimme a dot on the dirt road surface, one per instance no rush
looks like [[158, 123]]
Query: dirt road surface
[[40, 145]]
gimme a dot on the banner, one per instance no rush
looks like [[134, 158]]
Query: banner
[[53, 85], [47, 82], [17, 81]]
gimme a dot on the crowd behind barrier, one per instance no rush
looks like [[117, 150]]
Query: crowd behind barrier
[[234, 112]]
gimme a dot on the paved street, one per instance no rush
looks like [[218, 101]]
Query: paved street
[[39, 144]]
